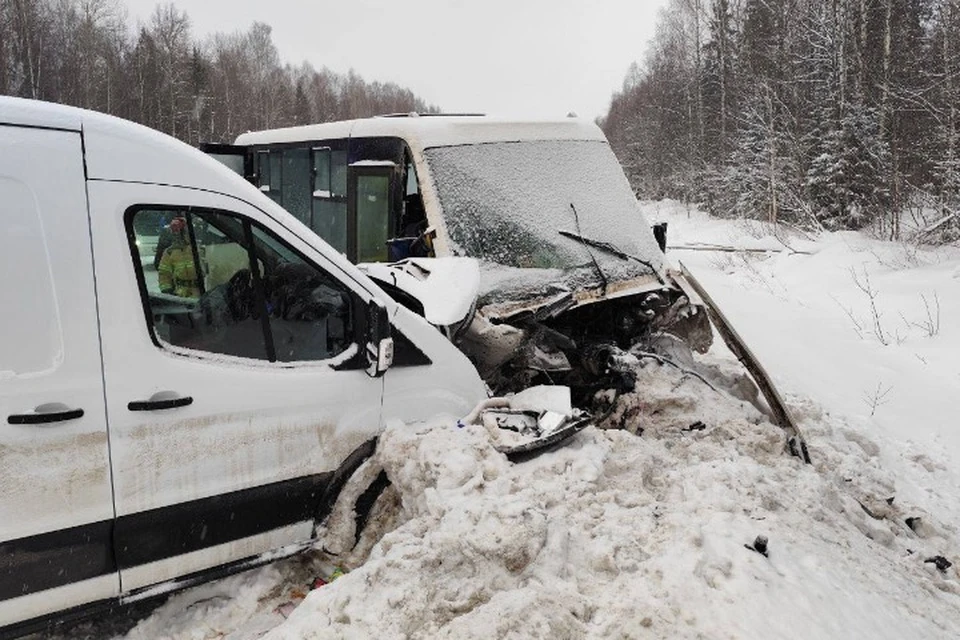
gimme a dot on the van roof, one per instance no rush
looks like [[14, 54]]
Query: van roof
[[118, 149], [434, 131]]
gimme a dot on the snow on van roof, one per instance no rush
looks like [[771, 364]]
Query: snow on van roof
[[433, 131], [33, 113]]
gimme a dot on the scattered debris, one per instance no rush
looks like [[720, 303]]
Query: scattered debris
[[685, 371], [528, 450], [704, 246], [941, 563], [759, 545], [530, 422], [913, 523], [297, 595]]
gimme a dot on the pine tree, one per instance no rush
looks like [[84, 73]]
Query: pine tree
[[846, 180]]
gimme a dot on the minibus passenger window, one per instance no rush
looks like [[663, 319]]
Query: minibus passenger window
[[338, 173], [330, 222], [412, 185], [329, 219], [276, 177], [373, 214], [296, 183], [263, 171], [321, 173]]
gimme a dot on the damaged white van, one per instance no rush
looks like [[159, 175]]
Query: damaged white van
[[186, 374], [569, 269]]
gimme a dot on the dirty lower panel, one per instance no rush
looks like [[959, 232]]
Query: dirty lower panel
[[170, 531], [50, 560]]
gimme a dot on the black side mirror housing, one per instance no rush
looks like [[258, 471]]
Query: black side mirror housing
[[660, 233], [379, 347]]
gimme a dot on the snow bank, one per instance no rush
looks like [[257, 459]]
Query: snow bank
[[818, 333], [623, 536]]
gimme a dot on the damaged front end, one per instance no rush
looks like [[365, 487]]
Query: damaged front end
[[571, 276], [564, 336], [578, 339]]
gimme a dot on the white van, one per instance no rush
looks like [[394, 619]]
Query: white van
[[172, 415]]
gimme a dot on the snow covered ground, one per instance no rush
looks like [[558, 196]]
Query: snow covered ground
[[624, 536]]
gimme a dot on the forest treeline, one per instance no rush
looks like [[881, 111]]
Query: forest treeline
[[88, 54], [822, 113]]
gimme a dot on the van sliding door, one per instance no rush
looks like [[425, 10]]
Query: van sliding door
[[56, 503]]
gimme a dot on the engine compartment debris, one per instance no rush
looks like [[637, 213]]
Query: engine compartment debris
[[521, 332], [529, 422]]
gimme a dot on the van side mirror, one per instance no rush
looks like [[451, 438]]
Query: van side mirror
[[379, 347], [660, 234]]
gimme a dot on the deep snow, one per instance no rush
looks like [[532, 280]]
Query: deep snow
[[624, 536]]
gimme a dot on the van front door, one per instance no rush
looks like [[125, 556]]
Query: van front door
[[233, 389], [56, 508]]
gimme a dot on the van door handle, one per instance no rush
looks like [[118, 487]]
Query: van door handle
[[159, 402], [45, 417]]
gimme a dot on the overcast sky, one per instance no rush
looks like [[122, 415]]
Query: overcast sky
[[538, 58]]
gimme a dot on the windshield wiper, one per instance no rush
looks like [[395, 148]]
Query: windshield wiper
[[609, 248], [596, 265]]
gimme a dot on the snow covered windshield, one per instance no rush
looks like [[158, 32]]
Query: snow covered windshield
[[507, 202]]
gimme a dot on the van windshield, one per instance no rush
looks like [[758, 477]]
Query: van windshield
[[508, 202]]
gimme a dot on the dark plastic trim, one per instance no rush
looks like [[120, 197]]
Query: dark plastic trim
[[45, 418], [159, 405]]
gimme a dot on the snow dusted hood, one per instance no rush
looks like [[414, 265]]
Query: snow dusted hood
[[447, 288]]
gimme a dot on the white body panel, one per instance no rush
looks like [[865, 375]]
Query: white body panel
[[433, 131], [52, 476], [449, 386], [58, 598], [252, 546]]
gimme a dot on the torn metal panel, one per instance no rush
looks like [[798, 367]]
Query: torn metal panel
[[796, 442]]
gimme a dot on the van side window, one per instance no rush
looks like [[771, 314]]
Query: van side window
[[202, 292]]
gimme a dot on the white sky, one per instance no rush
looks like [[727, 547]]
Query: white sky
[[538, 58]]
